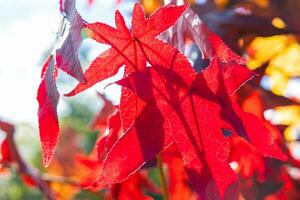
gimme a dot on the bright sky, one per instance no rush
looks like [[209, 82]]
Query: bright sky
[[27, 30]]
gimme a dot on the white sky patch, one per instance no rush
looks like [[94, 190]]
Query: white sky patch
[[292, 90], [28, 29], [234, 165], [272, 116]]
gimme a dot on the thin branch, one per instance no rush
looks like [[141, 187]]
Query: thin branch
[[162, 177], [26, 169], [60, 179]]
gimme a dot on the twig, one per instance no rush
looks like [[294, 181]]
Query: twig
[[24, 168], [60, 179], [162, 177]]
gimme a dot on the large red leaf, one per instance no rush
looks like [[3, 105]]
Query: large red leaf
[[140, 132], [48, 122], [130, 48], [212, 46], [193, 113], [67, 54]]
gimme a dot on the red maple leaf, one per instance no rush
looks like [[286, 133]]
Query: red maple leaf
[[48, 97], [190, 109], [133, 49], [130, 48]]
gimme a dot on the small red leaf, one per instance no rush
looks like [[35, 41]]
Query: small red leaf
[[6, 155], [208, 42], [67, 54], [5, 152], [100, 120], [178, 183], [105, 142], [48, 97]]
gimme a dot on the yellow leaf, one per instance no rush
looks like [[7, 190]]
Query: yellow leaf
[[291, 133], [262, 3], [288, 114], [283, 54], [288, 61], [151, 5], [278, 23], [263, 49], [221, 3]]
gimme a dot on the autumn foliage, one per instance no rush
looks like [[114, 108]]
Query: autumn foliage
[[199, 122]]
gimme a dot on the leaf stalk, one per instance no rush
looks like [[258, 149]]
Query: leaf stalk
[[163, 182]]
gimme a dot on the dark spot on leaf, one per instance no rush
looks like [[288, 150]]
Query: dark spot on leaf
[[226, 133]]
